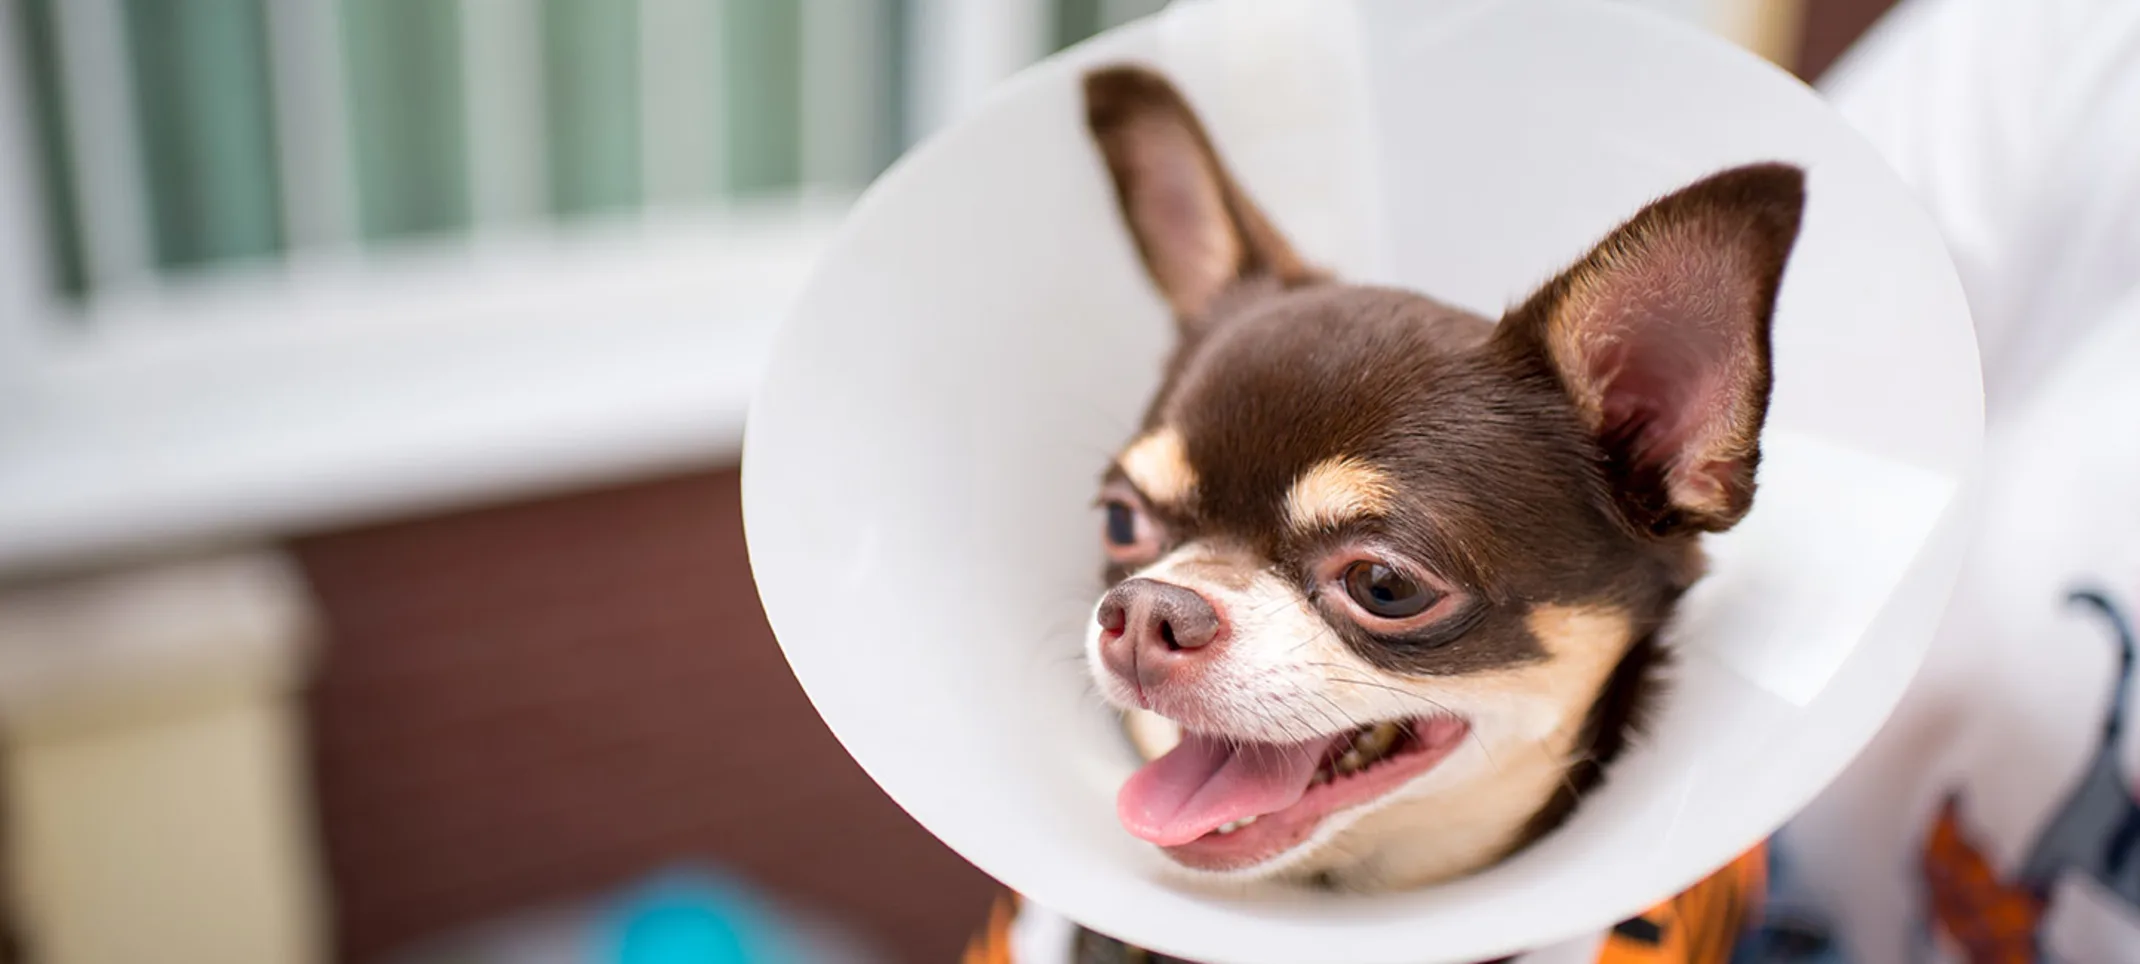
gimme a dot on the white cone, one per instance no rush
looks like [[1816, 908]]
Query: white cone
[[921, 459]]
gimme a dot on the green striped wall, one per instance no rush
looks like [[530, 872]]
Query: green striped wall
[[591, 85], [35, 34], [207, 144], [761, 47], [203, 86], [407, 127]]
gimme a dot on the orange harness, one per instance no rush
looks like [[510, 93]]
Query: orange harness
[[1699, 926]]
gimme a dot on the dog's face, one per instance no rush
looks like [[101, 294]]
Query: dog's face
[[1389, 572]]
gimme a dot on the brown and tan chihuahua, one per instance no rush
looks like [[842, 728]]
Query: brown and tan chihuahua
[[1388, 576]]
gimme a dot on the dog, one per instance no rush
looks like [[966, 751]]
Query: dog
[[1385, 578]]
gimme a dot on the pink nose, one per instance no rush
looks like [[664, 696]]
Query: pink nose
[[1152, 632]]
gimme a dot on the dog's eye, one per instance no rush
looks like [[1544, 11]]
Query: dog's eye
[[1386, 592], [1121, 524], [1391, 596], [1129, 532]]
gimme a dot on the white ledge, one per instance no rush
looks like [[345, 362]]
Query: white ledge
[[346, 392]]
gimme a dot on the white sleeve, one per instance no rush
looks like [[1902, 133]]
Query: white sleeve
[[1041, 936], [2018, 124]]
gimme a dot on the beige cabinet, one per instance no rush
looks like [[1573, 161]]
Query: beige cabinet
[[155, 806]]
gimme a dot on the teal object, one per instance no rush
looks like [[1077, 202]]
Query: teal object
[[695, 919]]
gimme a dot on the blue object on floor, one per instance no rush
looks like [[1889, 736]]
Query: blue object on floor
[[695, 918]]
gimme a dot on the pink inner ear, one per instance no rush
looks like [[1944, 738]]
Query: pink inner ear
[[1666, 334], [1179, 209]]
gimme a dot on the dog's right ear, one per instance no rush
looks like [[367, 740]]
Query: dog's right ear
[[1197, 231], [1661, 339]]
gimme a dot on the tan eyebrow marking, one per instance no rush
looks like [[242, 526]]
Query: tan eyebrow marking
[[1159, 467], [1598, 631], [1336, 491]]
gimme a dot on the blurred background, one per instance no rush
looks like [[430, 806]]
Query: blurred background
[[372, 586]]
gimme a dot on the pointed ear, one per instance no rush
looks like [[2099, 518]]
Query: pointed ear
[[1661, 338], [1196, 230]]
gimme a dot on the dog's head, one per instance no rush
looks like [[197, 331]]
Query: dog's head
[[1390, 572]]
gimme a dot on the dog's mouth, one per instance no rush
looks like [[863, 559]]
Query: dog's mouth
[[1221, 804]]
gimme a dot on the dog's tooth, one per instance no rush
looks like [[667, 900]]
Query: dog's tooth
[[1377, 741], [1232, 825], [1351, 761]]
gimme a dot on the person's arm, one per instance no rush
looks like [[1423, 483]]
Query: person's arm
[[2018, 123]]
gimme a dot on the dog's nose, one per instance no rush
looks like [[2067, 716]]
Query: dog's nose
[[1152, 630]]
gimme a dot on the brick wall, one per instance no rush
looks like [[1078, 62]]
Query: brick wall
[[531, 702], [1831, 27]]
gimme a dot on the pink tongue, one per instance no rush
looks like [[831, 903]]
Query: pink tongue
[[1205, 783]]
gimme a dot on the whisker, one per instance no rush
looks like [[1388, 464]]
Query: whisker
[[1351, 723], [1341, 714], [1353, 681], [1444, 709]]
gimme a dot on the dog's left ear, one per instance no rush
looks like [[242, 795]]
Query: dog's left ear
[[1661, 338], [1197, 230]]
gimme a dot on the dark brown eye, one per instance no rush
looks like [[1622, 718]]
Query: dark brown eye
[[1386, 592], [1127, 530], [1121, 524]]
